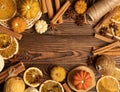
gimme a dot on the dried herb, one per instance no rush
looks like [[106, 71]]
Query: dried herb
[[79, 20]]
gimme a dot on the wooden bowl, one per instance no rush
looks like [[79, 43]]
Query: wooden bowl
[[70, 74]]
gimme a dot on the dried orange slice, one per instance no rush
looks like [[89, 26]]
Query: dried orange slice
[[11, 50], [107, 84], [116, 17], [32, 76], [7, 9], [5, 40], [51, 86]]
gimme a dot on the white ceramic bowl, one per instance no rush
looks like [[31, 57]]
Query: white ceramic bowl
[[1, 63]]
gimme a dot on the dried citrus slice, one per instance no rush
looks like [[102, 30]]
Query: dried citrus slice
[[32, 76], [116, 17], [7, 9], [51, 86], [107, 84], [10, 51], [5, 40]]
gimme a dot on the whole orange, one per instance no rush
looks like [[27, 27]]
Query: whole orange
[[18, 24]]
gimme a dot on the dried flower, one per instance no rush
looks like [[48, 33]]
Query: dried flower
[[80, 6], [79, 20]]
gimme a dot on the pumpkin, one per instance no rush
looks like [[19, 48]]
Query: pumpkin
[[80, 6], [82, 80], [14, 84], [18, 24], [41, 26], [58, 73], [29, 8]]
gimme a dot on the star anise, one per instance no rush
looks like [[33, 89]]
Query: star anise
[[79, 20], [70, 13], [52, 27], [103, 30], [114, 26], [90, 2]]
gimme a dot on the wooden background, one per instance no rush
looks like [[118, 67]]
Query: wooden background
[[70, 46]]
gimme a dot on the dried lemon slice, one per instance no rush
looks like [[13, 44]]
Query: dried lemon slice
[[7, 9], [51, 86], [107, 84], [32, 76], [10, 51], [116, 17], [5, 40]]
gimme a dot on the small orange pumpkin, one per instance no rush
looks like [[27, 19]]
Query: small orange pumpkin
[[82, 80], [18, 24]]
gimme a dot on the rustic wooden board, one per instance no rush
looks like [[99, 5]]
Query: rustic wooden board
[[69, 47]]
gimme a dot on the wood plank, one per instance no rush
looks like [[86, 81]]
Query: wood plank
[[72, 29], [68, 57], [49, 43]]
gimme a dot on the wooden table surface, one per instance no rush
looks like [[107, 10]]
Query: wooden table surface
[[69, 47]]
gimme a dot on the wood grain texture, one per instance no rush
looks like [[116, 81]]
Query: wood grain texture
[[70, 46]]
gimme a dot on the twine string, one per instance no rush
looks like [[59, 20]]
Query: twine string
[[99, 9]]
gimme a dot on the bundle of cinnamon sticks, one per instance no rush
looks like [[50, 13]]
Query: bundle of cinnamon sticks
[[47, 7], [12, 71], [113, 48]]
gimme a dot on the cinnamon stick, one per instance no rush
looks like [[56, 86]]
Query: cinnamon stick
[[103, 38], [18, 68], [115, 49], [11, 33], [112, 53], [105, 19], [57, 5], [60, 12], [67, 89], [106, 48], [49, 8], [44, 8]]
